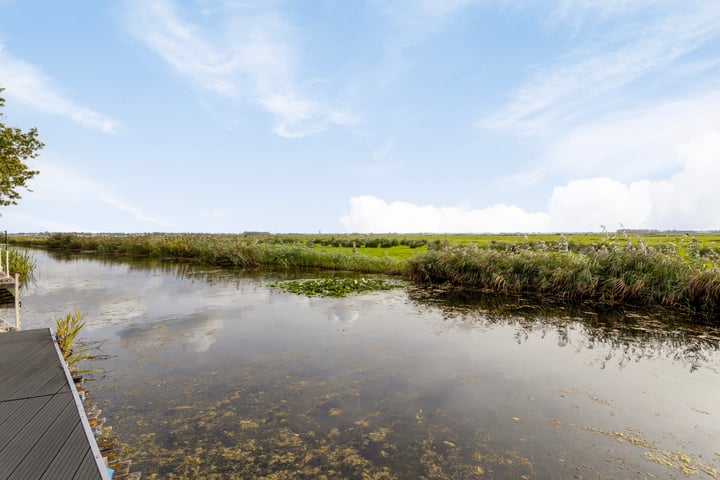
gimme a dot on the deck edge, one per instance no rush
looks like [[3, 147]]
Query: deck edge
[[102, 468]]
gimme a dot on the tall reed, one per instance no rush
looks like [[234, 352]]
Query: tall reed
[[641, 276]]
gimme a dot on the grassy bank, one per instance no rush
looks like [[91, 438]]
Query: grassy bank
[[220, 250], [679, 271]]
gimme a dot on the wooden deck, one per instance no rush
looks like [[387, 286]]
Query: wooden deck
[[44, 433]]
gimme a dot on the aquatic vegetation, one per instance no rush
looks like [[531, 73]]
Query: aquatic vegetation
[[253, 432], [67, 329], [689, 465], [334, 287]]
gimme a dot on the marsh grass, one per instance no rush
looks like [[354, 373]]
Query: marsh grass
[[633, 275]]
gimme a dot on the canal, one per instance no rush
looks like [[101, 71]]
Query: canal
[[212, 373]]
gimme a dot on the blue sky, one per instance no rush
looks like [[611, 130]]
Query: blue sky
[[366, 116]]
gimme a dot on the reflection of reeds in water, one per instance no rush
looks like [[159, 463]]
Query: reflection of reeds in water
[[622, 335]]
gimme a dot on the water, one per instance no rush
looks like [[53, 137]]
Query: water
[[213, 374]]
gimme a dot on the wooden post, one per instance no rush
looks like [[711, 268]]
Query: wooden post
[[17, 301]]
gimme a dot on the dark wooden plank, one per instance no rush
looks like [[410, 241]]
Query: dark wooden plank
[[44, 381], [41, 430], [25, 335], [13, 344], [88, 468], [23, 355], [31, 375], [13, 425], [17, 449], [7, 410], [17, 353], [68, 458], [57, 434], [56, 383]]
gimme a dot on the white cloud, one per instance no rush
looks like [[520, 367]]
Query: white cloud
[[28, 84], [686, 200], [369, 214], [584, 205], [248, 53]]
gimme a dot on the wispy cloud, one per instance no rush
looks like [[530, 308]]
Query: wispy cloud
[[52, 186], [628, 144], [575, 85], [240, 52], [28, 84]]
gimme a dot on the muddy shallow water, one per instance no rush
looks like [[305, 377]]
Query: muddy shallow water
[[213, 374]]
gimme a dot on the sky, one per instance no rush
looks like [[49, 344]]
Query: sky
[[375, 116]]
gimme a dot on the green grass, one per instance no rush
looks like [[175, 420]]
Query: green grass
[[677, 271], [21, 262]]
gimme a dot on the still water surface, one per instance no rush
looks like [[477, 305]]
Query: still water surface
[[213, 374]]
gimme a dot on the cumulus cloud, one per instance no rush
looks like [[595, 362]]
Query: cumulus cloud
[[247, 54], [686, 200], [28, 84], [371, 214]]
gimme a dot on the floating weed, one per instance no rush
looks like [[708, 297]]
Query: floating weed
[[379, 434], [688, 464], [334, 287], [252, 431]]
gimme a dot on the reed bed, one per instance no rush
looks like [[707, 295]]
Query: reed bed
[[220, 250], [609, 276]]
